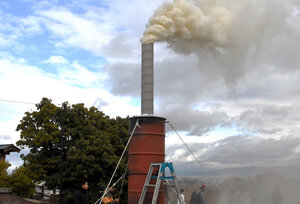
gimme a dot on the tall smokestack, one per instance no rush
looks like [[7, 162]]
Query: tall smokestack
[[147, 79]]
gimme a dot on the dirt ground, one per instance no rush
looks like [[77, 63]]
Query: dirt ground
[[10, 198]]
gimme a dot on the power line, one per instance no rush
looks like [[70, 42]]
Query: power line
[[22, 102], [108, 185], [14, 101], [197, 160]]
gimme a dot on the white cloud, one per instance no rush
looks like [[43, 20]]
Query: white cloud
[[79, 75], [31, 25], [4, 41], [57, 60], [94, 29], [29, 84], [76, 30]]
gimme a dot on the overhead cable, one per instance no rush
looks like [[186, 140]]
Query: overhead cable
[[13, 101], [204, 170], [107, 187]]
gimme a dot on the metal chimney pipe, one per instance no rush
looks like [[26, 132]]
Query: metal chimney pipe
[[147, 79]]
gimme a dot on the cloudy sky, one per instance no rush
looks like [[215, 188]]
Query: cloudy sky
[[232, 94]]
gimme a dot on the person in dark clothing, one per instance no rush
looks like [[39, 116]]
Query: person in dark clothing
[[101, 190], [199, 197], [195, 198], [80, 195]]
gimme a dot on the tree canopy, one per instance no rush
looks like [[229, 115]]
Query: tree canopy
[[18, 180], [4, 178], [90, 142]]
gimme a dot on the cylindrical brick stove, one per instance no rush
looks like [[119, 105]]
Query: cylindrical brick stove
[[147, 146]]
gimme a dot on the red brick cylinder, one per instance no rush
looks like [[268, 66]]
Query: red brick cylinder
[[146, 146]]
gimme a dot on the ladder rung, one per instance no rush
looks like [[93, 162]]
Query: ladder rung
[[169, 184], [150, 185], [166, 177]]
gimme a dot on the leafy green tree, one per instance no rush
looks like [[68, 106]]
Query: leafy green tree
[[4, 177], [21, 183], [90, 143], [18, 180]]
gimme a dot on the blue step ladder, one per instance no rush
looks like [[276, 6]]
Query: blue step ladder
[[160, 177]]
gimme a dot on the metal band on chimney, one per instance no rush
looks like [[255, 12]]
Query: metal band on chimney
[[147, 79]]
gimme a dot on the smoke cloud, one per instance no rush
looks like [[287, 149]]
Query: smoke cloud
[[183, 20], [230, 38], [267, 188], [218, 23]]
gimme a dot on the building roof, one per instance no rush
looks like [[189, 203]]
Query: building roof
[[7, 148]]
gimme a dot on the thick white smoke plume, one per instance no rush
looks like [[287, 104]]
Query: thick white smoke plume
[[220, 23], [183, 20], [230, 38]]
